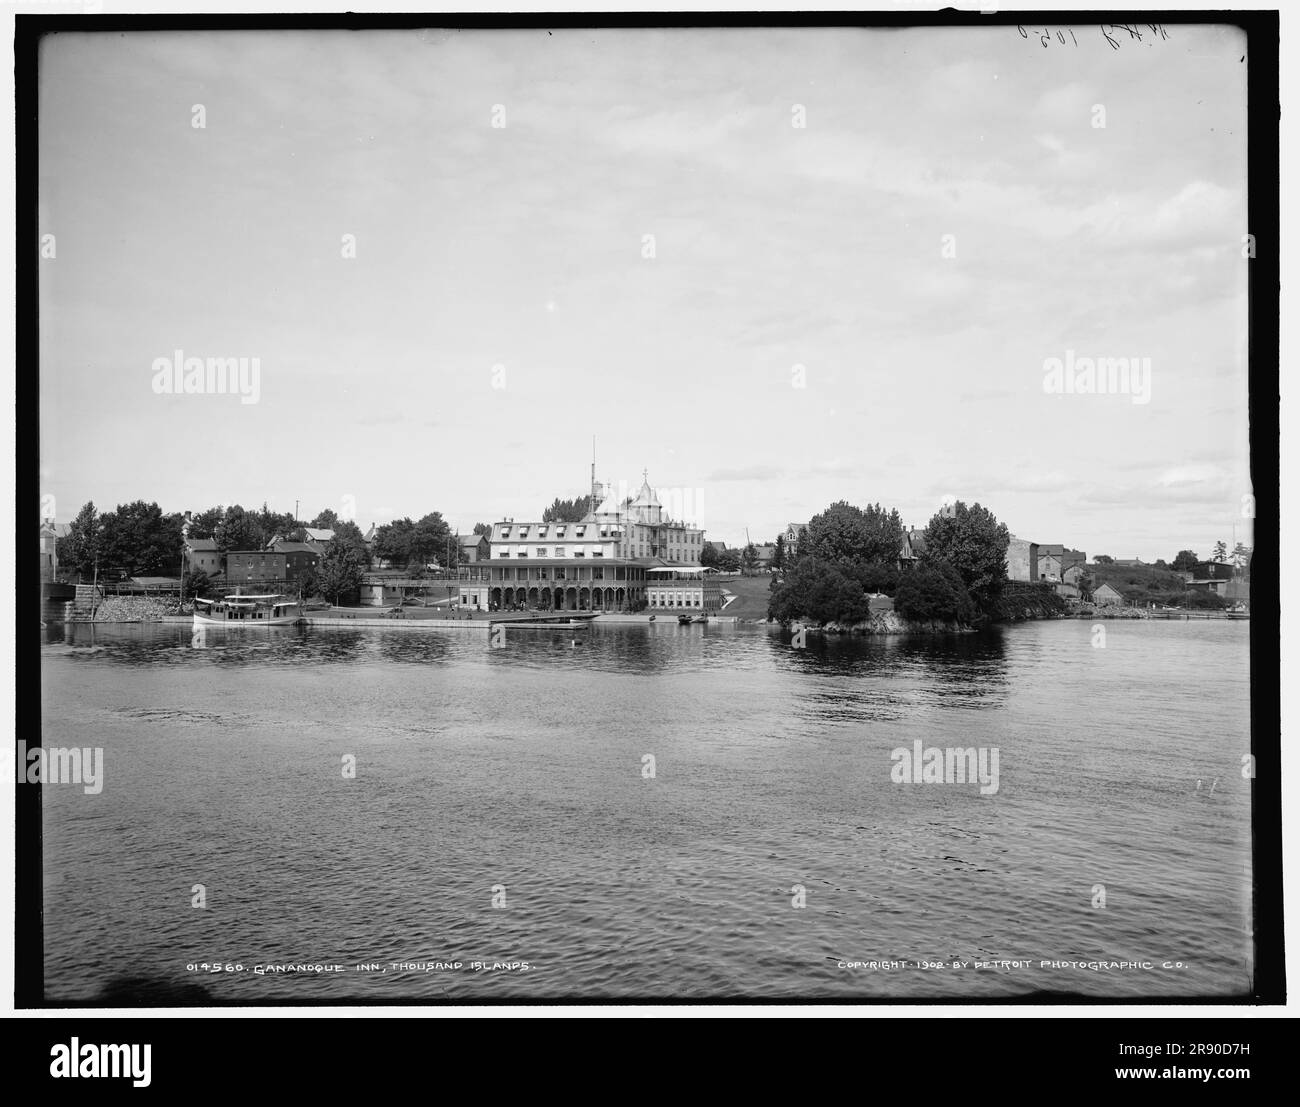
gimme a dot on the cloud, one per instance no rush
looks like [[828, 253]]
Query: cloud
[[748, 473]]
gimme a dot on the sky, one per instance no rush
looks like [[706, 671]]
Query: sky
[[772, 269]]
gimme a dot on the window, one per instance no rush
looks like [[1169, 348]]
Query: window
[[559, 532], [505, 532], [541, 551], [560, 552], [541, 532], [597, 551]]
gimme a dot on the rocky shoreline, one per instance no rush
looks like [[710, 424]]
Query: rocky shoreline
[[126, 609], [882, 623]]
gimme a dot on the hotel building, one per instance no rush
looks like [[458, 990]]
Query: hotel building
[[620, 557]]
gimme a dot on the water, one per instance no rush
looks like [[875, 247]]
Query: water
[[521, 770]]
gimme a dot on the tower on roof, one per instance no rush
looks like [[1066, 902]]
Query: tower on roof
[[646, 506]]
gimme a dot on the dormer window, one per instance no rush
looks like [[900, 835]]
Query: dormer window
[[541, 532], [559, 532], [579, 532], [523, 532]]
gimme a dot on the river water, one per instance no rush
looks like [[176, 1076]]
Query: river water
[[502, 811]]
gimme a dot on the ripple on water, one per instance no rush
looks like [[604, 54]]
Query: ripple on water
[[523, 770]]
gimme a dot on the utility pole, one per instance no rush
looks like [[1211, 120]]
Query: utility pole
[[185, 528]]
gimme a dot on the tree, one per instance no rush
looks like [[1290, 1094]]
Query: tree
[[778, 558], [239, 530], [78, 549], [878, 576], [709, 556], [973, 542], [431, 540], [819, 592], [1103, 559], [339, 572], [1220, 550], [568, 511], [1240, 555], [349, 534], [934, 592], [749, 558], [393, 541], [483, 528], [729, 561], [275, 523], [1185, 562], [139, 538], [197, 583], [847, 535], [414, 545], [205, 523], [326, 520]]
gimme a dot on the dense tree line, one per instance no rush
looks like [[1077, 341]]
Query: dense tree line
[[417, 545], [726, 561], [568, 511], [136, 538], [139, 539], [848, 551]]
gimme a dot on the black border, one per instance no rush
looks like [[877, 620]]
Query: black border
[[1261, 28]]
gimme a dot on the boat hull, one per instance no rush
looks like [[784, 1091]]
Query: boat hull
[[271, 621]]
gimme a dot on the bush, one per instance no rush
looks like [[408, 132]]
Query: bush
[[934, 593], [1202, 599], [1022, 599]]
